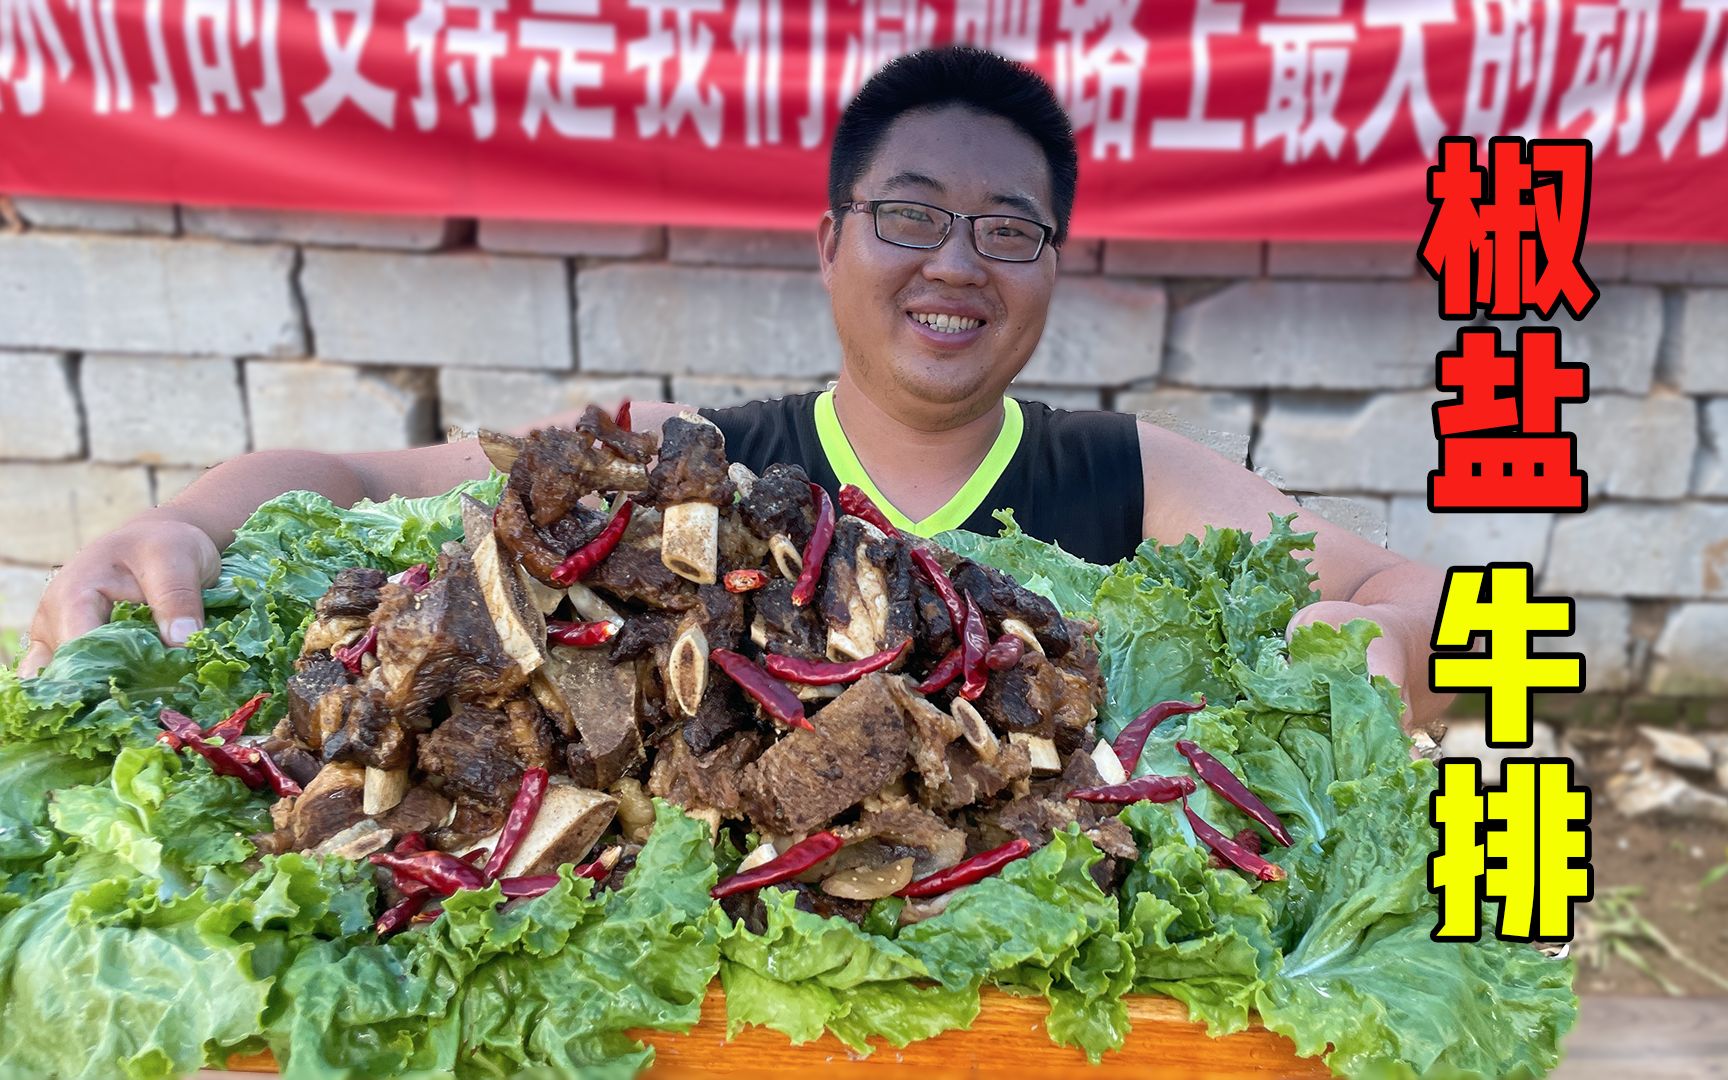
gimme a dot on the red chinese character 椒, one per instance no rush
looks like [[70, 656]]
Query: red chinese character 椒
[[1490, 248], [1506, 451]]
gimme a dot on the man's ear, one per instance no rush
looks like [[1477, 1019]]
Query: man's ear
[[827, 244]]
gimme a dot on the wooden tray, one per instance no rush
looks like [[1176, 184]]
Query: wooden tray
[[1007, 1038]]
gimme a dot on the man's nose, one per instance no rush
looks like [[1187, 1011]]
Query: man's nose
[[956, 259]]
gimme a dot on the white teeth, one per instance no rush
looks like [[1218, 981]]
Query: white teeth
[[947, 324]]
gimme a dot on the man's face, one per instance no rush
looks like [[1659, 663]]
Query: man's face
[[970, 163]]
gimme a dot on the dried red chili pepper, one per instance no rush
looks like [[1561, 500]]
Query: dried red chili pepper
[[1141, 788], [974, 644], [1236, 854], [223, 759], [443, 872], [853, 501], [523, 810], [823, 673], [433, 910], [1219, 778], [1248, 838], [1131, 740], [351, 655], [977, 868], [417, 577], [233, 726], [775, 697], [1004, 653], [404, 912], [280, 782], [579, 563], [623, 417], [743, 581], [526, 888], [180, 729], [790, 863], [410, 843], [816, 551], [580, 635], [932, 572], [946, 671]]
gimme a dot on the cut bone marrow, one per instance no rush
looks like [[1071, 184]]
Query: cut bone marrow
[[690, 541]]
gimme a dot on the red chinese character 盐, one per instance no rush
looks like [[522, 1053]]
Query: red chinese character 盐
[[1489, 247], [1506, 451]]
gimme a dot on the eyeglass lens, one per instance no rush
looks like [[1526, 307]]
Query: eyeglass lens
[[915, 225]]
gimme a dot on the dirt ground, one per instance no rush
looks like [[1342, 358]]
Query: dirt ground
[[1649, 872]]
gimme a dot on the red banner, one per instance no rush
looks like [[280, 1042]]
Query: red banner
[[1198, 119]]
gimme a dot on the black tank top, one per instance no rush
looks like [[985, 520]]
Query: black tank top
[[1072, 478]]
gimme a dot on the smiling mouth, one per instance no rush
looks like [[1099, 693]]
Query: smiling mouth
[[945, 324]]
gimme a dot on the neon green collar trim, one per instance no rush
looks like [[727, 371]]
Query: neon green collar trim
[[849, 470]]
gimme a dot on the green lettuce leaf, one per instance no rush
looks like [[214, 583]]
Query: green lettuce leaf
[[1067, 581]]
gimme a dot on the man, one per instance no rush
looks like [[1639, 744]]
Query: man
[[952, 178]]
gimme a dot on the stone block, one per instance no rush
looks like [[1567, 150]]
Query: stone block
[[1363, 515], [1641, 550], [464, 310], [1676, 264], [1635, 447], [20, 589], [308, 227], [1689, 654], [1602, 631], [724, 393], [1699, 360], [1619, 339], [109, 293], [679, 320], [1326, 443], [573, 238], [1445, 540], [92, 215], [1337, 260], [1319, 335], [1182, 258], [39, 417], [162, 410], [1710, 475], [1100, 332], [53, 510], [307, 405], [782, 248], [1081, 256], [1218, 420], [518, 400], [1060, 397]]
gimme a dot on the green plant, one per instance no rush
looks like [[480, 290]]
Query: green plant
[[1613, 927]]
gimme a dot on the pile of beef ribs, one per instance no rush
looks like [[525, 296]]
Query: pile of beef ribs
[[419, 703]]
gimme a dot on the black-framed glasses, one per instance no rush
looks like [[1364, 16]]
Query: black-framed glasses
[[923, 226]]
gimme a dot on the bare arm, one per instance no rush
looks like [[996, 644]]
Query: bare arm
[[1188, 487], [165, 557]]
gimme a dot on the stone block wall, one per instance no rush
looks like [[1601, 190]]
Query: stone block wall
[[142, 344]]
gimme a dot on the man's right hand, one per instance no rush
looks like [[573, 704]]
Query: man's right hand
[[155, 559]]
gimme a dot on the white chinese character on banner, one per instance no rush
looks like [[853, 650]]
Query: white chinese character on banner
[[690, 43], [1514, 46], [1197, 131], [112, 80], [756, 34], [224, 24], [887, 28], [164, 98], [1713, 129], [1408, 86], [1005, 27], [813, 125], [1113, 58], [568, 29], [27, 29], [342, 56], [1309, 60], [478, 39], [1619, 43]]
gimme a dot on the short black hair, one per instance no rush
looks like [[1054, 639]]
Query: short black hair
[[956, 75]]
